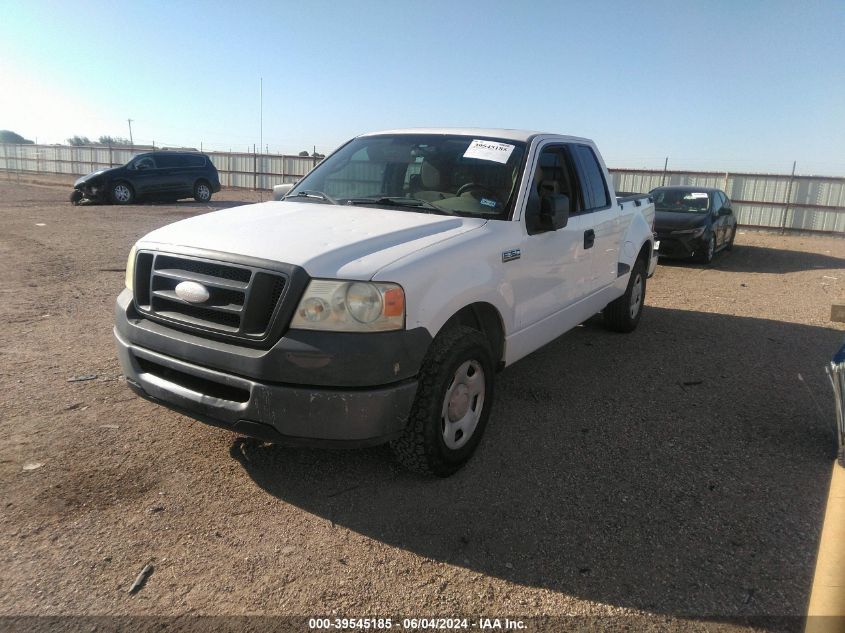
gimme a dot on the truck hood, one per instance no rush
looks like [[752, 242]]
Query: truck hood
[[331, 241]]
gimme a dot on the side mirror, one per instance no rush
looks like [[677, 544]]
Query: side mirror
[[725, 211], [554, 212], [280, 191]]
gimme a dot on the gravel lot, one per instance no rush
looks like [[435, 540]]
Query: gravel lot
[[680, 471]]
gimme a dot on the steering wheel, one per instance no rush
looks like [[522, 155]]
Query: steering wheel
[[472, 186]]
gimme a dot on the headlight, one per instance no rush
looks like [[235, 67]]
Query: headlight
[[130, 268], [350, 306], [696, 232]]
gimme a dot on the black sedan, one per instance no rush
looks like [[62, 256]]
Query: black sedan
[[693, 222]]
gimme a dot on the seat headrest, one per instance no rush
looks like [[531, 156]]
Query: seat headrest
[[429, 176], [549, 187]]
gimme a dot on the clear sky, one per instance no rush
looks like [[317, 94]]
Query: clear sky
[[733, 84]]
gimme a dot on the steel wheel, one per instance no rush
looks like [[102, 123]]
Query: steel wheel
[[623, 314], [452, 404], [462, 404], [636, 301]]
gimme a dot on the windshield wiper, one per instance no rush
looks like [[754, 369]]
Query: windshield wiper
[[311, 193], [401, 201]]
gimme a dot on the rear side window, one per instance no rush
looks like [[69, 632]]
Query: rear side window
[[195, 161], [592, 178], [166, 161]]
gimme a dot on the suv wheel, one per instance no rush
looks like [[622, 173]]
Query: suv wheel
[[121, 193], [202, 191]]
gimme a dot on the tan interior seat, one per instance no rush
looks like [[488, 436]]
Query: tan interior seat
[[430, 183]]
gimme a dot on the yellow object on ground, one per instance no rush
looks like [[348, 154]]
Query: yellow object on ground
[[826, 613]]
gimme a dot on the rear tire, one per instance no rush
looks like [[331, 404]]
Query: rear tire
[[202, 191], [452, 405], [122, 193], [623, 314]]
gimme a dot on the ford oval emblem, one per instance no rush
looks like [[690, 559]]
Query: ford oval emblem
[[192, 292]]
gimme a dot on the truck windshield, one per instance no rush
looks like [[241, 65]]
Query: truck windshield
[[426, 173], [681, 201]]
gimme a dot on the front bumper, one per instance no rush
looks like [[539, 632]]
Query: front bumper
[[97, 191], [681, 247], [293, 393]]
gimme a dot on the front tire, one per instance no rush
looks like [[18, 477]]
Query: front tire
[[76, 197], [623, 314], [122, 193], [730, 245], [709, 251], [202, 191], [452, 405]]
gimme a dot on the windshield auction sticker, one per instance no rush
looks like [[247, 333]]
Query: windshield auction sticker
[[489, 150]]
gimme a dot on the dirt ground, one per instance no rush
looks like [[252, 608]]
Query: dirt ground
[[677, 472]]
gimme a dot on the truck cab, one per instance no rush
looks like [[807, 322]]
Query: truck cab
[[378, 299]]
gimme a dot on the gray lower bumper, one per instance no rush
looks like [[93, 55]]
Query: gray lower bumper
[[279, 413]]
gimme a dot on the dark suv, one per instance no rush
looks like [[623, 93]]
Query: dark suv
[[165, 174]]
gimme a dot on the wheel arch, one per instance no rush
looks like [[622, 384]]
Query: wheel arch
[[485, 318], [645, 252]]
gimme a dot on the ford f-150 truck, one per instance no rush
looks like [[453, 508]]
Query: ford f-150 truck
[[376, 302]]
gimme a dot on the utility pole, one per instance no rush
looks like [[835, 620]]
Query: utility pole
[[788, 198], [261, 126], [665, 165], [131, 142]]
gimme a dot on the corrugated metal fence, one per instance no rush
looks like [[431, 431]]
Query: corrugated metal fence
[[252, 171], [811, 203]]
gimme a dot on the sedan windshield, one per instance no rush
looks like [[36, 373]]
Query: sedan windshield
[[681, 200], [425, 173]]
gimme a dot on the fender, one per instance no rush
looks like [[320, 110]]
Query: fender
[[639, 233], [436, 289]]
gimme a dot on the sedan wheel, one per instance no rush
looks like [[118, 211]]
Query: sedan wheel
[[707, 255]]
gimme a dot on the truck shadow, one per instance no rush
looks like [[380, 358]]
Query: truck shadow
[[681, 470]]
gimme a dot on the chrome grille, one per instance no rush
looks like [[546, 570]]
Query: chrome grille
[[242, 302]]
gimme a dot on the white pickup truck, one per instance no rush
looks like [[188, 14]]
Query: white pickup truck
[[376, 302]]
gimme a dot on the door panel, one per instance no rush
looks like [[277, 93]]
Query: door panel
[[553, 272], [602, 216]]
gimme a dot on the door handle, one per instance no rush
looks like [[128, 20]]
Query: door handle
[[589, 238]]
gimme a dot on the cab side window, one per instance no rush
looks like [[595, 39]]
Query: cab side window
[[554, 175], [592, 178]]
